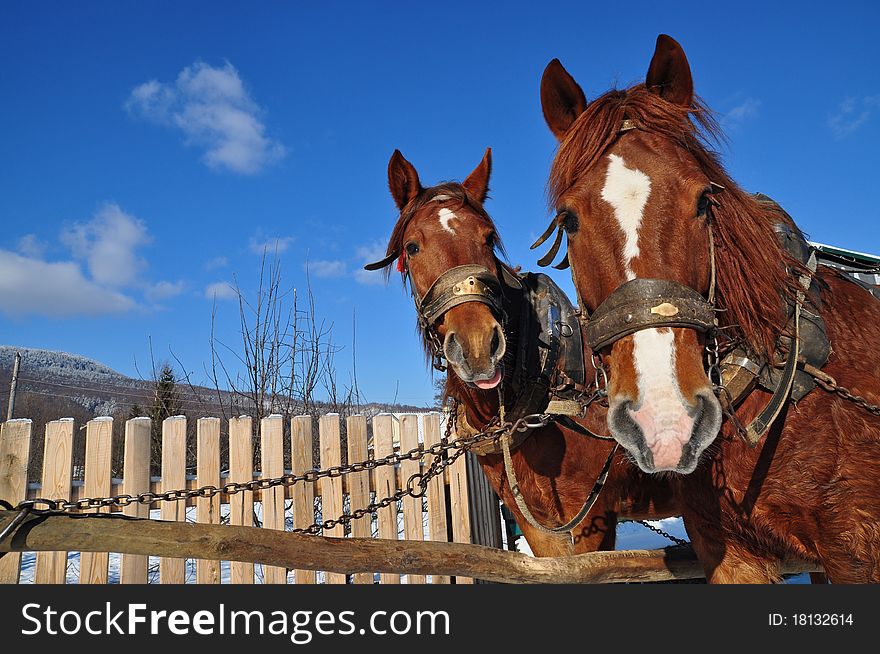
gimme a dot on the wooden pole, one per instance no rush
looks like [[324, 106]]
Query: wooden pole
[[15, 366], [100, 533]]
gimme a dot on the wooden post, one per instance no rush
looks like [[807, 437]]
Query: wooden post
[[458, 497], [303, 494], [359, 485], [136, 480], [15, 449], [208, 474], [412, 506], [10, 409], [93, 567], [241, 505], [57, 475], [437, 526], [272, 465], [385, 483], [331, 487], [171, 570]]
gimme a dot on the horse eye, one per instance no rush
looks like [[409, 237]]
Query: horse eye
[[703, 204], [490, 239], [412, 248], [568, 220]]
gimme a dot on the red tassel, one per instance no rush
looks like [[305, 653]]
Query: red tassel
[[401, 265]]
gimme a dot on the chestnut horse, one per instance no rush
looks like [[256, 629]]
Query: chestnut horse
[[439, 229], [646, 203]]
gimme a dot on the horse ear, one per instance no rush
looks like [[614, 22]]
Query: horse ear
[[403, 180], [669, 74], [477, 183], [562, 100]]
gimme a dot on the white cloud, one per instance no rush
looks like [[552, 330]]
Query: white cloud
[[31, 246], [107, 244], [365, 254], [216, 262], [215, 112], [30, 286], [269, 244], [745, 110], [852, 113], [220, 291], [164, 290], [103, 274], [331, 268]]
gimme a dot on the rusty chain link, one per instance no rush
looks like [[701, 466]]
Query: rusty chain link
[[830, 384], [657, 530], [416, 486]]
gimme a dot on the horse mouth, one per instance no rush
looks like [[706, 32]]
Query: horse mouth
[[488, 384]]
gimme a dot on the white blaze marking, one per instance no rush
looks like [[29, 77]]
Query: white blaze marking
[[445, 216], [654, 358], [662, 413], [627, 190]]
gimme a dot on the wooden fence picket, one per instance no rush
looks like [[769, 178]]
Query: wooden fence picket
[[271, 466], [359, 485], [303, 494], [437, 525], [413, 524], [15, 449], [51, 567], [241, 505], [173, 570], [385, 483], [458, 498], [208, 474], [94, 566], [136, 480], [331, 487]]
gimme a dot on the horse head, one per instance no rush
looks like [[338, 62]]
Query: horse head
[[445, 244], [633, 190]]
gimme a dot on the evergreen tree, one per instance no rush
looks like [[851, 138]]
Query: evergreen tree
[[166, 403]]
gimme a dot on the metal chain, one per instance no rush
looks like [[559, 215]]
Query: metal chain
[[648, 525], [713, 360], [416, 486], [830, 384]]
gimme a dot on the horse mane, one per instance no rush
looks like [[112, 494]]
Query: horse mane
[[752, 277]]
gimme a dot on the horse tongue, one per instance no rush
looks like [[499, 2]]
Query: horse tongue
[[486, 384]]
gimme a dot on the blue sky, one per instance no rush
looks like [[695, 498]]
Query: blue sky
[[150, 149]]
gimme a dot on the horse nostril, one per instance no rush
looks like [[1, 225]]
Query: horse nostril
[[452, 348], [497, 346]]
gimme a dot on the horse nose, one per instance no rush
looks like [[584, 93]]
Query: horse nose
[[498, 345]]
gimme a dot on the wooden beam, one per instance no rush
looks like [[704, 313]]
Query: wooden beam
[[101, 533]]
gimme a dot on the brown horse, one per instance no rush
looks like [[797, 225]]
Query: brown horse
[[647, 207], [440, 229]]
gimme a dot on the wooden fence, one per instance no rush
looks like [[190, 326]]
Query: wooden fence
[[443, 516]]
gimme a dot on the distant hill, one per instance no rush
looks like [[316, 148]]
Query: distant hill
[[61, 365], [103, 391]]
